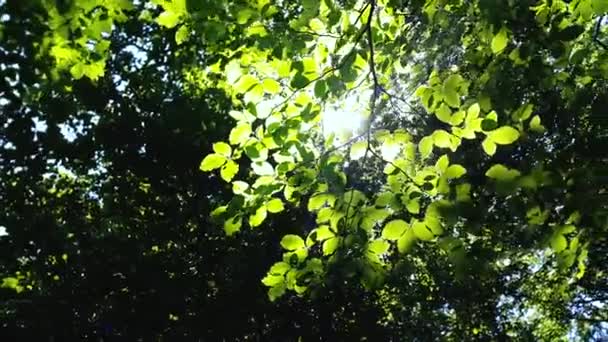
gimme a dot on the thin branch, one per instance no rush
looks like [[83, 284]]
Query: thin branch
[[596, 34], [329, 35], [368, 29]]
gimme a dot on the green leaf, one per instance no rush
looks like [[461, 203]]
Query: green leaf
[[457, 118], [442, 163], [233, 225], [502, 173], [262, 168], [442, 139], [357, 150], [452, 98], [317, 201], [422, 232], [500, 40], [279, 268], [320, 234], [489, 146], [378, 247], [229, 170], [321, 89], [450, 90], [535, 125], [168, 19], [276, 292], [413, 206], [444, 113], [258, 218], [504, 135], [272, 280], [394, 229], [245, 83], [10, 282], [182, 34], [271, 86], [292, 242], [212, 162], [239, 187], [256, 151], [240, 134], [425, 146], [77, 71], [599, 6], [275, 205], [488, 124], [473, 112], [223, 149], [406, 241], [330, 246], [455, 171], [559, 243]]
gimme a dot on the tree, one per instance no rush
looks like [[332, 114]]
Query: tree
[[470, 204]]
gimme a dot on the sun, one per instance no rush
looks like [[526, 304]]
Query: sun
[[346, 117]]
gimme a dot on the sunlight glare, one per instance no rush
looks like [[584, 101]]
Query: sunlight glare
[[346, 117]]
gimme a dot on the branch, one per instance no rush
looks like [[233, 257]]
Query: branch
[[596, 39]]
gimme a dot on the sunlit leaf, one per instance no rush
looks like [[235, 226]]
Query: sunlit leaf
[[500, 40], [330, 245], [223, 149], [422, 232], [182, 34], [535, 125], [378, 246], [559, 243], [262, 168], [168, 19], [442, 139], [240, 134], [275, 205], [504, 135], [357, 150], [489, 146], [212, 162], [425, 146], [276, 292], [442, 163], [455, 171], [292, 242], [394, 229], [271, 86], [229, 170], [502, 173], [233, 225], [406, 241]]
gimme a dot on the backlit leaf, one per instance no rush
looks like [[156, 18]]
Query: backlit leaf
[[357, 150], [504, 135], [455, 171], [275, 205], [500, 40], [229, 170], [240, 134], [502, 173], [425, 146], [212, 162], [422, 232], [292, 242], [394, 229], [442, 139], [222, 148]]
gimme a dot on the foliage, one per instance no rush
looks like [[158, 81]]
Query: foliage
[[471, 204]]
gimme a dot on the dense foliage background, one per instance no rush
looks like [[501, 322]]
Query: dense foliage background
[[169, 170]]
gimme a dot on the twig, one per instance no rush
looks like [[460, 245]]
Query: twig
[[596, 39]]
